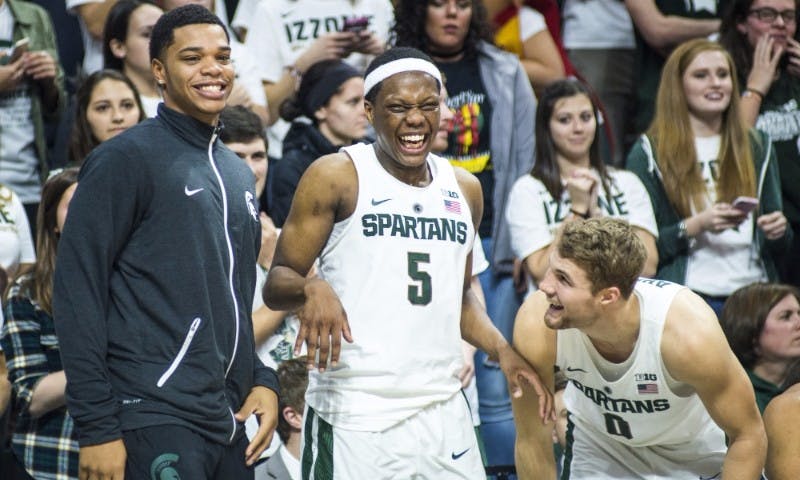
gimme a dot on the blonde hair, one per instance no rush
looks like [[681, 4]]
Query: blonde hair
[[673, 138]]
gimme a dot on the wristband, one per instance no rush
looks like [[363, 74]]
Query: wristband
[[760, 94], [584, 215], [296, 74]]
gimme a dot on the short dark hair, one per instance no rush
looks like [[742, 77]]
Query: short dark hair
[[116, 28], [319, 84], [81, 140], [388, 56], [163, 33], [293, 381], [240, 125]]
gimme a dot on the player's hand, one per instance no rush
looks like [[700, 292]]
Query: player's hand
[[105, 461], [332, 45], [773, 224], [263, 403], [766, 56], [11, 74], [468, 370], [517, 370], [323, 324]]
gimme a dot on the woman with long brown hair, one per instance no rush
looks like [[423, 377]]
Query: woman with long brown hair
[[44, 442], [695, 160]]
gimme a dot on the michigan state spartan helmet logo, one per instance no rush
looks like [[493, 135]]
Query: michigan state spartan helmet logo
[[251, 205], [162, 469]]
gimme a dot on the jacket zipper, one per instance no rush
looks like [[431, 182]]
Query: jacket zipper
[[230, 258], [181, 353]]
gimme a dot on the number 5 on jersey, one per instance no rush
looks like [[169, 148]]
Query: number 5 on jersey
[[419, 292]]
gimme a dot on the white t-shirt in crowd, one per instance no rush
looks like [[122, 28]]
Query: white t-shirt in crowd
[[16, 243], [280, 30], [531, 22], [598, 24], [534, 216], [719, 263]]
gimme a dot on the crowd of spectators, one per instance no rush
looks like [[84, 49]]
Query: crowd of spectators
[[547, 102]]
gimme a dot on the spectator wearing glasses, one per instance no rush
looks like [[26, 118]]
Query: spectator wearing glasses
[[761, 37]]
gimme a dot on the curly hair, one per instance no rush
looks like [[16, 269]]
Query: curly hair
[[409, 27], [607, 249]]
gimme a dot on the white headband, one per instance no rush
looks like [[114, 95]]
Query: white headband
[[399, 66]]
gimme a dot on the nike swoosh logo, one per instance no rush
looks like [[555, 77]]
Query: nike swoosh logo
[[375, 203], [570, 369], [456, 456], [710, 478], [189, 193]]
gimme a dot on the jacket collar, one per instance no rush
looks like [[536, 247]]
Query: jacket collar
[[308, 137], [190, 129], [24, 16]]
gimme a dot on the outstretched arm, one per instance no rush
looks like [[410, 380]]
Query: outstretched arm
[[326, 194], [694, 346], [536, 343], [663, 32], [478, 329]]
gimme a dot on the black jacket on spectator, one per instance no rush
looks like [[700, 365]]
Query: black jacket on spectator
[[303, 144]]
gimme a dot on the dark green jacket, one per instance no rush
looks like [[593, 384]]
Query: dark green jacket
[[32, 21], [673, 251]]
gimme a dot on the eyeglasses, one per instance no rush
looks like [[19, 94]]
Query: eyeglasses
[[769, 15]]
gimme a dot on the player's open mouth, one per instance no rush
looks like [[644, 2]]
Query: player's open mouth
[[413, 143], [211, 90], [555, 308]]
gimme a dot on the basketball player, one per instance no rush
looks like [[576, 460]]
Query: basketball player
[[653, 386], [393, 227]]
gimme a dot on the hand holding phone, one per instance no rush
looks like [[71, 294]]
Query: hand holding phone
[[19, 48], [355, 24], [745, 204]]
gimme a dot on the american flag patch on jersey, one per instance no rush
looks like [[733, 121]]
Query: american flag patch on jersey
[[647, 388], [452, 206]]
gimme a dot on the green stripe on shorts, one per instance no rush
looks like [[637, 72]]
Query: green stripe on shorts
[[570, 439], [323, 465]]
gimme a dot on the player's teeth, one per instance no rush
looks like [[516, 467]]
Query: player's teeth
[[211, 88]]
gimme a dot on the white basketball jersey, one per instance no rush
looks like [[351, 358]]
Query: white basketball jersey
[[639, 408], [397, 265]]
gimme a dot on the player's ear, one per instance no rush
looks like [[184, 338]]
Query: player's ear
[[368, 110], [609, 295], [159, 72]]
